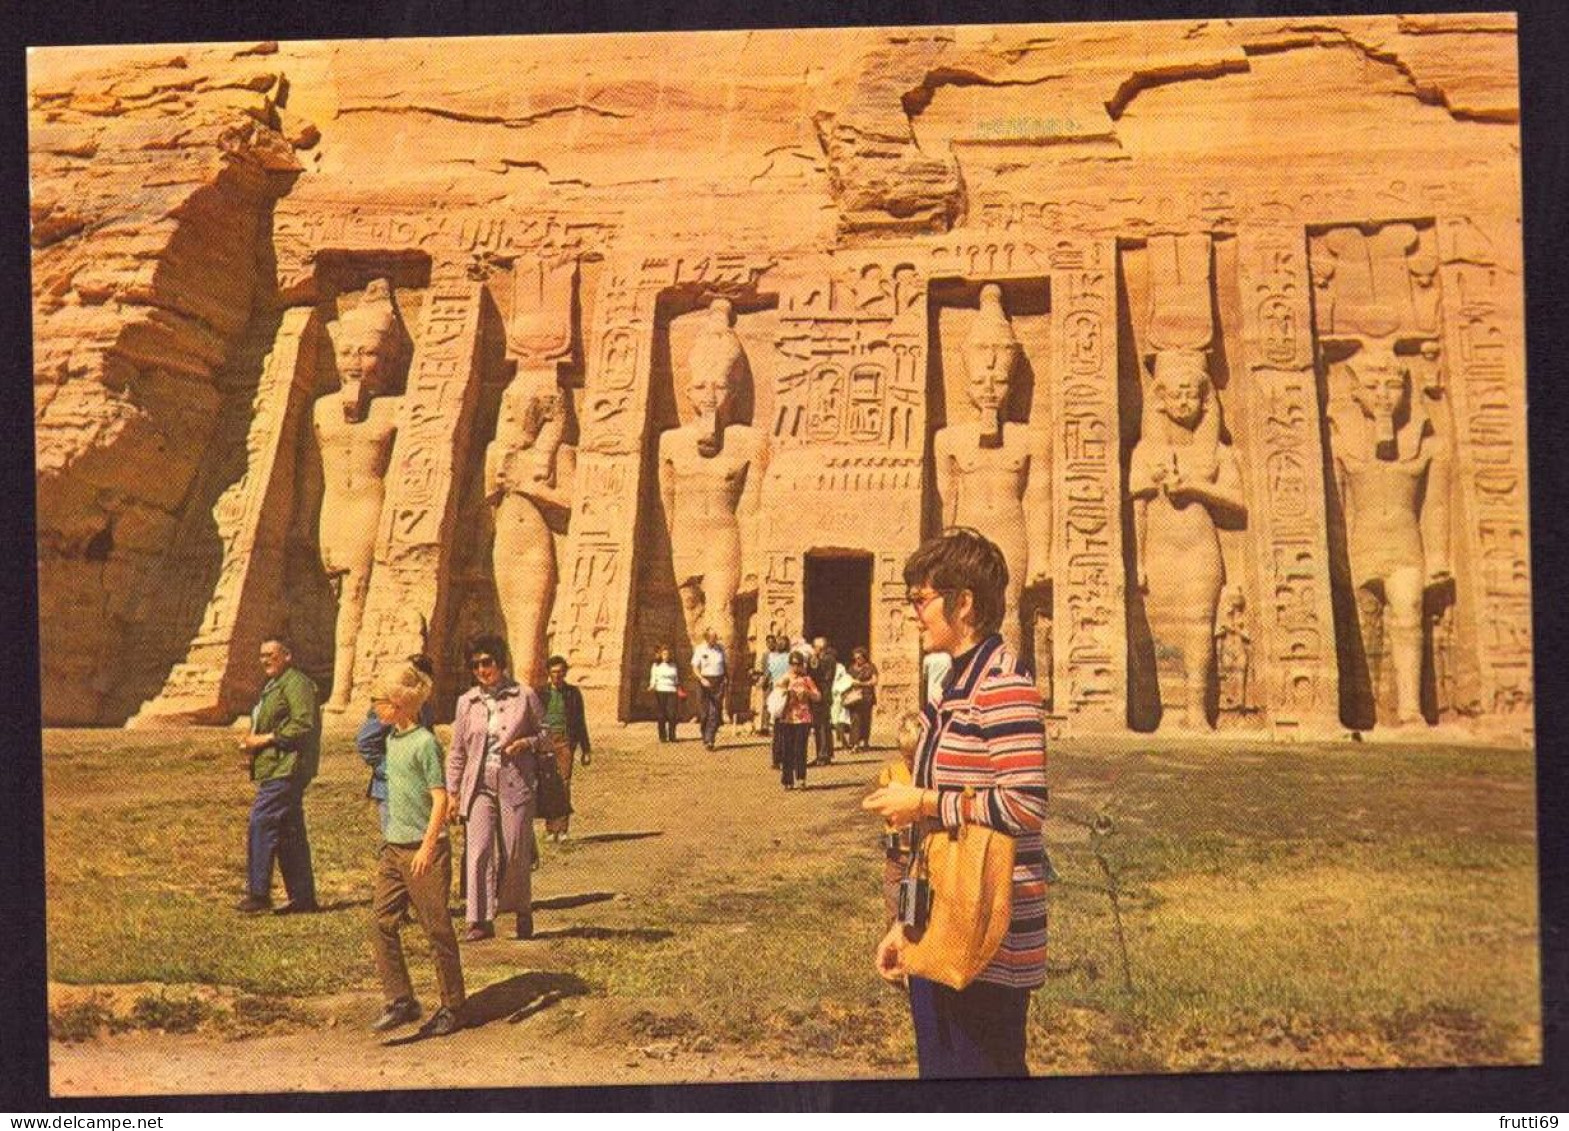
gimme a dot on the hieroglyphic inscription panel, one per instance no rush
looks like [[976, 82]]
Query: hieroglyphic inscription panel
[[1285, 478], [851, 352], [1482, 323], [252, 516], [413, 547], [1091, 659]]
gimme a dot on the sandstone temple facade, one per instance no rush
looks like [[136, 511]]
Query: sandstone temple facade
[[1216, 327]]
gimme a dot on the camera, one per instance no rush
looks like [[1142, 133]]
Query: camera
[[915, 902]]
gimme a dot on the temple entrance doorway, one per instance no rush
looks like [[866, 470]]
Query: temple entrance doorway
[[838, 596]]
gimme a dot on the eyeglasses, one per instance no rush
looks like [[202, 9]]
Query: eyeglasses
[[919, 600], [482, 662]]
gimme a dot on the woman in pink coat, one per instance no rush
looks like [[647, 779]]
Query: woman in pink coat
[[497, 732]]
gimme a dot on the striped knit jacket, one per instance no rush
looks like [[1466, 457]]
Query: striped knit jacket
[[988, 733]]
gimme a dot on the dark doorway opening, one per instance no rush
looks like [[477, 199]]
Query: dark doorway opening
[[839, 599]]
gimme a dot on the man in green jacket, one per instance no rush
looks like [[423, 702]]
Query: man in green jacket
[[284, 747]]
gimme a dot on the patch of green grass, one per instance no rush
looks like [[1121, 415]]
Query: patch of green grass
[[1282, 906], [170, 1014], [81, 1021]]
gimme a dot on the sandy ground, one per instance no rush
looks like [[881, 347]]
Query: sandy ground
[[647, 816]]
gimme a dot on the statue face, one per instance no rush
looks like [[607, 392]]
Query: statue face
[[1180, 386], [989, 361], [364, 356], [715, 369], [1382, 387]]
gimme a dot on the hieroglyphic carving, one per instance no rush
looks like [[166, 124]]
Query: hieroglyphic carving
[[404, 612], [300, 234], [1233, 658], [896, 645], [1091, 659], [605, 490], [1285, 477], [850, 350], [219, 671], [1481, 316]]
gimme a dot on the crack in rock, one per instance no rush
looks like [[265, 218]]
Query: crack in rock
[[511, 123]]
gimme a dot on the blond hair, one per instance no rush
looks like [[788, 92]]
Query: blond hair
[[909, 730], [404, 686]]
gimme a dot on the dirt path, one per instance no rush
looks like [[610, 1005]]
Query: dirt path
[[649, 816]]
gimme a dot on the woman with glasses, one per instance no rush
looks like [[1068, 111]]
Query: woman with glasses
[[497, 732], [981, 760], [795, 723]]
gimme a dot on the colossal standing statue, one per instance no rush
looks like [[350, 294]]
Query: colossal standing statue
[[710, 481], [993, 475], [355, 430], [1183, 479], [528, 482], [1392, 476]]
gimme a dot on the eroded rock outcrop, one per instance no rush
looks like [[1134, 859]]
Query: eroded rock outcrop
[[1189, 230]]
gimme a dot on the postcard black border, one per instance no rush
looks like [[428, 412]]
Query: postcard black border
[[1544, 64]]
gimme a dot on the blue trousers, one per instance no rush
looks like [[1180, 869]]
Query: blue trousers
[[974, 1032], [708, 707], [278, 829]]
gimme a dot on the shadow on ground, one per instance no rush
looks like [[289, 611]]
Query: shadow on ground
[[611, 838], [512, 1000], [584, 931], [573, 899]]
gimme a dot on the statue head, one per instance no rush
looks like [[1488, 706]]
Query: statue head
[[1381, 387], [366, 345], [716, 364], [534, 400], [990, 353], [1181, 385]]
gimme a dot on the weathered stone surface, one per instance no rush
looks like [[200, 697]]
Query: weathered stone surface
[[557, 217]]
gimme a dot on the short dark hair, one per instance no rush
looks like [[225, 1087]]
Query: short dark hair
[[281, 641], [958, 559], [423, 664], [489, 644], [556, 662]]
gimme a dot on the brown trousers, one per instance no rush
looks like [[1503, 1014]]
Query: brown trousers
[[397, 888], [564, 768]]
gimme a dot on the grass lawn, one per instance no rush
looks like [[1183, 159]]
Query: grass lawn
[[1220, 906]]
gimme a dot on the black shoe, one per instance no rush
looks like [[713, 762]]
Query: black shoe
[[298, 907], [442, 1023], [253, 905], [401, 1012]]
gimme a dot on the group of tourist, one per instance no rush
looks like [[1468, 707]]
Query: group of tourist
[[836, 710], [975, 755], [507, 740]]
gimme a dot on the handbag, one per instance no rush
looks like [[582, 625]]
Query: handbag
[[969, 872], [552, 801], [775, 704]]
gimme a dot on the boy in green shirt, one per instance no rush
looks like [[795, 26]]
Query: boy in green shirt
[[414, 870]]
